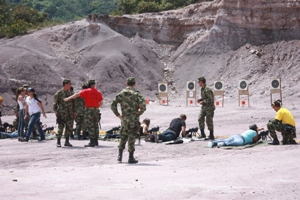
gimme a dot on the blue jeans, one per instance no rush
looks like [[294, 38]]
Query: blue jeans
[[21, 123], [9, 135], [167, 135], [235, 140], [35, 121]]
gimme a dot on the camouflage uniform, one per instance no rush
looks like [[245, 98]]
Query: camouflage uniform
[[208, 108], [80, 112], [65, 110], [91, 122], [132, 106], [275, 125]]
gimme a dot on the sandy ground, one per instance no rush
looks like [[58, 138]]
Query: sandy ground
[[39, 170]]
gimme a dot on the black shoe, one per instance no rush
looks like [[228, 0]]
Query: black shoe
[[58, 143], [131, 159], [67, 143], [25, 139], [202, 134], [91, 144], [292, 142], [211, 135], [96, 142], [120, 155], [274, 142], [41, 139]]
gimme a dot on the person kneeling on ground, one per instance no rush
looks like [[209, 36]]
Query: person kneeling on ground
[[176, 127], [284, 122], [248, 137]]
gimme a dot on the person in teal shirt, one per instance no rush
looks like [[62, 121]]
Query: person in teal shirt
[[248, 137]]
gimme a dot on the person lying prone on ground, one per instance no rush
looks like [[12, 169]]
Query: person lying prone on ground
[[248, 137], [4, 135]]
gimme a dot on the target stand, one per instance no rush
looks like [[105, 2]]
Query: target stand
[[275, 89], [219, 90], [191, 93], [243, 90], [163, 93]]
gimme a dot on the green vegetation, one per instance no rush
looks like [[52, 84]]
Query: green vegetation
[[18, 16], [18, 19], [142, 6]]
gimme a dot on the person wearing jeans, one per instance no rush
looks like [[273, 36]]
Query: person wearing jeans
[[20, 95], [33, 107], [248, 137], [176, 127]]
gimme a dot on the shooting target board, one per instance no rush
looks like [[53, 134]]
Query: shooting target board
[[219, 90], [163, 93], [191, 93], [275, 88], [243, 91]]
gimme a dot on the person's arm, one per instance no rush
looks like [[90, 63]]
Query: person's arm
[[183, 133], [26, 111], [42, 108], [72, 97], [256, 137], [145, 129], [114, 107]]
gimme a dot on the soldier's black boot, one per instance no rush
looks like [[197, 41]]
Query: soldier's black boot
[[78, 135], [211, 135], [91, 144], [131, 159], [84, 135], [274, 142], [202, 133], [67, 143], [120, 155], [96, 142], [58, 143]]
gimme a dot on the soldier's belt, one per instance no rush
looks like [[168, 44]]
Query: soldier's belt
[[91, 108]]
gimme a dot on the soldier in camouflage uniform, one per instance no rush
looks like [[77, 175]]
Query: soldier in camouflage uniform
[[207, 110], [284, 122], [132, 106], [80, 112], [65, 112], [93, 100]]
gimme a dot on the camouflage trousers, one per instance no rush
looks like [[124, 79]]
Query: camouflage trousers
[[209, 115], [129, 130], [79, 123], [91, 122], [275, 125], [68, 126]]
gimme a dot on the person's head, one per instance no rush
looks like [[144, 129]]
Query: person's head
[[183, 117], [84, 86], [20, 91], [26, 86], [31, 92], [130, 81], [67, 84], [146, 121], [276, 105], [253, 127], [201, 81], [91, 83]]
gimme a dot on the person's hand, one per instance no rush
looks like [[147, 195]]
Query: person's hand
[[120, 117], [44, 115], [75, 115], [66, 99], [26, 117]]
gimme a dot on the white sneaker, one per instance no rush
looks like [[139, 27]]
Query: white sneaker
[[209, 144], [220, 144]]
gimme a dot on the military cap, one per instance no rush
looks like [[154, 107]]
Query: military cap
[[25, 86], [201, 79], [66, 81], [253, 127], [91, 82], [130, 80], [84, 85]]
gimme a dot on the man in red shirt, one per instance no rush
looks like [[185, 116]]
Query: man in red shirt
[[93, 100]]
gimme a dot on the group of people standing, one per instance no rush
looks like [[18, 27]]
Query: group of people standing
[[83, 107], [30, 109]]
